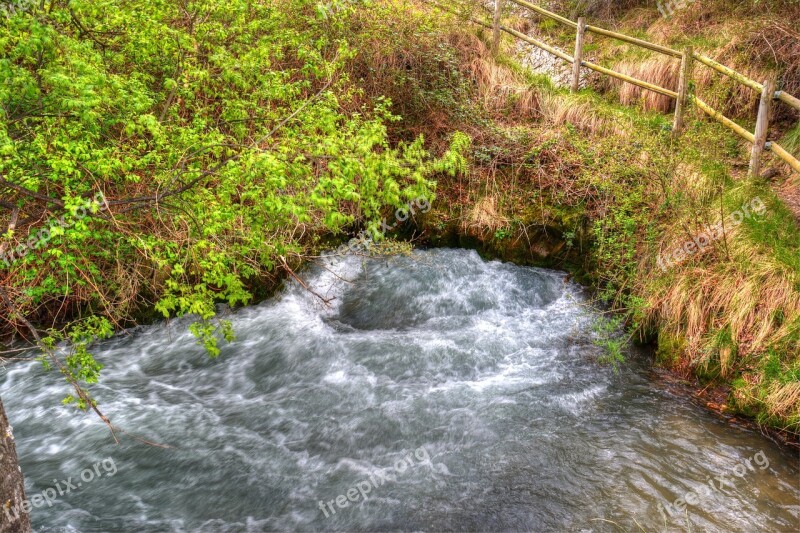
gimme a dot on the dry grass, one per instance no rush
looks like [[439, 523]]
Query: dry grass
[[723, 305], [521, 24], [753, 40], [558, 110], [485, 216], [697, 187], [760, 40], [783, 400], [658, 71], [501, 90], [780, 401], [600, 9], [718, 294], [641, 18], [789, 193]]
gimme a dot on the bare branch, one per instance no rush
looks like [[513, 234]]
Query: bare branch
[[30, 193]]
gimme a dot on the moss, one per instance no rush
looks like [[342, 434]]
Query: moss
[[670, 349]]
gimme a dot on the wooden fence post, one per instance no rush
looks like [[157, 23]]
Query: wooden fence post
[[498, 7], [683, 91], [762, 125], [576, 65]]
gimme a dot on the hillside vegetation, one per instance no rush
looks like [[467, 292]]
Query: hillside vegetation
[[231, 141]]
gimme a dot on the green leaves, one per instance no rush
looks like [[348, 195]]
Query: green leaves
[[228, 138], [79, 366]]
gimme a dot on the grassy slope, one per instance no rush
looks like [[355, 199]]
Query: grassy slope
[[758, 38], [732, 315]]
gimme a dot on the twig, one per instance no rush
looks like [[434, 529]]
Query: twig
[[11, 226], [326, 301], [75, 385], [28, 192], [609, 521]]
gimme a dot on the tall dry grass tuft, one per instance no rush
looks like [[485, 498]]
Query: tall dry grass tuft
[[485, 216], [501, 90], [558, 110], [783, 401], [730, 290], [658, 71]]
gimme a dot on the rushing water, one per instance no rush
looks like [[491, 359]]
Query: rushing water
[[437, 392]]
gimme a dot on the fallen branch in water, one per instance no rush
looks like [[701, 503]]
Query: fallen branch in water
[[80, 391], [326, 301]]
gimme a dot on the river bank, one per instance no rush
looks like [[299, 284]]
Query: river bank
[[546, 247]]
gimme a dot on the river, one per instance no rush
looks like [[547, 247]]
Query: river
[[436, 392]]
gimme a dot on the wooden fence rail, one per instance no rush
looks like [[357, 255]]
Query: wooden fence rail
[[687, 57]]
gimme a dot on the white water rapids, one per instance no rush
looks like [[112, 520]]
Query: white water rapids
[[481, 377]]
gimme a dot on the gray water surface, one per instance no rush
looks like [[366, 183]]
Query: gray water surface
[[464, 394]]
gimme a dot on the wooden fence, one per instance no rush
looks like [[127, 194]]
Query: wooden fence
[[767, 89]]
